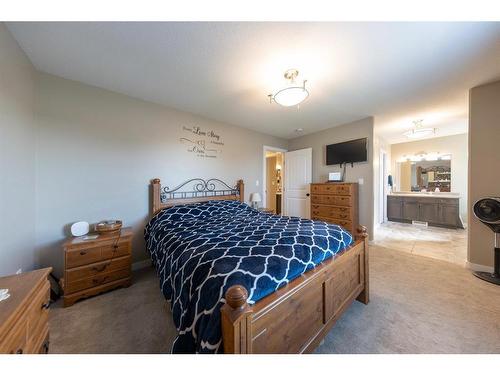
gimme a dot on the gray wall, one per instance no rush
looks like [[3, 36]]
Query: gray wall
[[484, 165], [17, 157], [456, 145], [97, 151], [91, 153], [319, 140]]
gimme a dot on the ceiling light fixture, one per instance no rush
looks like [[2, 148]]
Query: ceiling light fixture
[[418, 131], [293, 94]]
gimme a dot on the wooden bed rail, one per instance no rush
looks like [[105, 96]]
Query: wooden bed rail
[[295, 318]]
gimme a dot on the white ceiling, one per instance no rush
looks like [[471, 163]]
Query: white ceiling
[[397, 72]]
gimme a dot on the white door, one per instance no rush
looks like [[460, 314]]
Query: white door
[[297, 183]]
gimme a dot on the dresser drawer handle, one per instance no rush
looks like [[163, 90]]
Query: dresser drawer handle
[[100, 269], [100, 281], [83, 252], [19, 351], [46, 305]]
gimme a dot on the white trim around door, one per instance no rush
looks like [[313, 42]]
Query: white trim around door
[[264, 167]]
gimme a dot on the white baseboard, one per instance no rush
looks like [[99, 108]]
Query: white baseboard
[[478, 267], [141, 264]]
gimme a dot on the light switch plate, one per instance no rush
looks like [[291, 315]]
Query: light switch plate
[[361, 181], [257, 183]]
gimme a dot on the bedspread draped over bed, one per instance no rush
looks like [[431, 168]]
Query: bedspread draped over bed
[[200, 250]]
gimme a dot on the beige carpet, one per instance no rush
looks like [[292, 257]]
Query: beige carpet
[[418, 305]]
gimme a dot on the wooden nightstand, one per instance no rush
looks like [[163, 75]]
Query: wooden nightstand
[[95, 266]]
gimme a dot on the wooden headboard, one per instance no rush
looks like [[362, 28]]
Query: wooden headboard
[[195, 190]]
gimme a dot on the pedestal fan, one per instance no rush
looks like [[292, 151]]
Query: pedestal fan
[[488, 211]]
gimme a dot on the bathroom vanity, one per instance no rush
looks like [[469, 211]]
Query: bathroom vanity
[[436, 209]]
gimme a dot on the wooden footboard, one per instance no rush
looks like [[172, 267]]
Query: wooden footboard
[[295, 318]]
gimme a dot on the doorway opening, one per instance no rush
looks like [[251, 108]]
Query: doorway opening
[[422, 198], [272, 179]]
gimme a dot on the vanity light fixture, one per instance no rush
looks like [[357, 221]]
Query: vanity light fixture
[[292, 95], [419, 131], [424, 156]]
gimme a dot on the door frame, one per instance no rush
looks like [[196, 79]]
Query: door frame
[[383, 174], [264, 171]]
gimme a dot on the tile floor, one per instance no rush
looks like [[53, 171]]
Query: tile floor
[[439, 243]]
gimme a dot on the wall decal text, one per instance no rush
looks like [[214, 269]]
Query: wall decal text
[[201, 142]]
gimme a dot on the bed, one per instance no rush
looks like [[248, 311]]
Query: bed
[[243, 281]]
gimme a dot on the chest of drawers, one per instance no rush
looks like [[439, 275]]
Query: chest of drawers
[[335, 203], [24, 316], [95, 266]]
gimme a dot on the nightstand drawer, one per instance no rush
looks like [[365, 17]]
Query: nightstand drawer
[[83, 256], [115, 251], [80, 257], [97, 280], [95, 269]]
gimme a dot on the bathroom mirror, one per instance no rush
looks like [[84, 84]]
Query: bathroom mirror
[[425, 175]]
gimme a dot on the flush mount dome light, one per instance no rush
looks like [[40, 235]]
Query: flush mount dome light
[[293, 94], [418, 131]]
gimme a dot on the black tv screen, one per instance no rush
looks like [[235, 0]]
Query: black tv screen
[[347, 152]]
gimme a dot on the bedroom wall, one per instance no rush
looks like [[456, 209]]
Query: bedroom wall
[[484, 171], [319, 140], [17, 157], [97, 151], [456, 145]]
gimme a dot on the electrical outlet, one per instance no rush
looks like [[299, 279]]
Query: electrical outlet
[[20, 270]]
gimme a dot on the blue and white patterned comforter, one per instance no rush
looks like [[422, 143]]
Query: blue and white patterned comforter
[[200, 250]]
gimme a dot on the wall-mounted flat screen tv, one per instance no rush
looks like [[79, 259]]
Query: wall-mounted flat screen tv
[[354, 151]]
